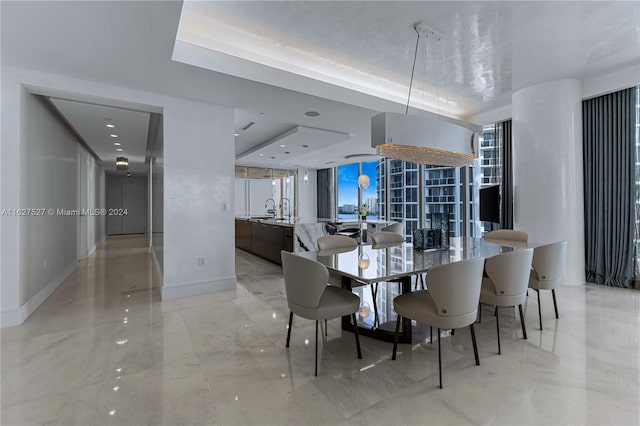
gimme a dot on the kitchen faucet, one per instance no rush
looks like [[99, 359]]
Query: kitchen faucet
[[270, 212]]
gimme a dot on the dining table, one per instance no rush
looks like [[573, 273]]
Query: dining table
[[389, 270]]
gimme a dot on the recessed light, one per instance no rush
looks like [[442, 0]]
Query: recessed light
[[119, 149], [312, 113], [111, 126], [262, 113], [113, 136], [116, 143], [235, 134], [261, 155], [281, 145]]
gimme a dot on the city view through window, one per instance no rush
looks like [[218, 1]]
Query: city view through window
[[442, 191], [348, 205]]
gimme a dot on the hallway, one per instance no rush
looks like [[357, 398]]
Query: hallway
[[103, 349]]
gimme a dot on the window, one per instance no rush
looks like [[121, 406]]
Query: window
[[349, 198], [636, 258], [348, 191]]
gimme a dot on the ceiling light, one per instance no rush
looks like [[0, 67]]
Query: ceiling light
[[363, 182], [113, 136], [261, 155], [282, 145], [312, 113], [235, 134], [122, 164], [111, 126], [116, 143], [119, 149]]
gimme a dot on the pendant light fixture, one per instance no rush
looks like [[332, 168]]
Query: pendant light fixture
[[305, 175], [429, 138]]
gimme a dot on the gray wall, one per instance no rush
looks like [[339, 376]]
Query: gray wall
[[127, 195], [157, 194], [50, 174]]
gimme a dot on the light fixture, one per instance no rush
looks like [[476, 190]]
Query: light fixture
[[116, 143], [113, 135], [122, 164], [111, 126], [236, 134], [428, 138], [365, 310], [305, 175], [363, 182], [363, 261], [119, 149]]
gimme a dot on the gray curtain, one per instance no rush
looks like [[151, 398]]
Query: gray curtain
[[609, 152], [326, 191], [506, 215]]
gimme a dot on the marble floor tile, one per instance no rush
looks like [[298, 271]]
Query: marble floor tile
[[104, 349]]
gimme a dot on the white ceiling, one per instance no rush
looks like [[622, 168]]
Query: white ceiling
[[488, 50], [130, 127], [492, 48]]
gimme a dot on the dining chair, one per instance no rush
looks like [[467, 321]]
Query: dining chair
[[386, 238], [396, 227], [507, 234], [547, 271], [309, 296], [506, 283], [339, 243], [450, 302]]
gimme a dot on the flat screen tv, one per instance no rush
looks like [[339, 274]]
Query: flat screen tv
[[490, 204]]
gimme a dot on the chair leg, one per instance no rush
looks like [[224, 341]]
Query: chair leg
[[355, 329], [479, 313], [498, 331], [439, 360], [326, 332], [316, 373], [395, 337], [539, 309], [453, 331], [555, 304], [475, 344], [524, 328], [289, 329], [430, 334]]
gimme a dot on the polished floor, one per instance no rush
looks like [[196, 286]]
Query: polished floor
[[103, 349]]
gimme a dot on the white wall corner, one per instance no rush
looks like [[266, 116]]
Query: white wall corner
[[198, 288]]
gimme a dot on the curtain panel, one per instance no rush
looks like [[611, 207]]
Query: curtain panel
[[506, 214], [326, 190], [609, 175]]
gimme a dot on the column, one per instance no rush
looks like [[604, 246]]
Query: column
[[548, 169]]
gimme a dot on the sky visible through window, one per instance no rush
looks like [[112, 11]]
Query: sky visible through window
[[348, 187]]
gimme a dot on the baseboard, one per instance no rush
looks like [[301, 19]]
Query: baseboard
[[195, 289], [18, 316]]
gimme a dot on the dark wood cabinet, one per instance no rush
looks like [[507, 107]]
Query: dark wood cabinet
[[264, 239]]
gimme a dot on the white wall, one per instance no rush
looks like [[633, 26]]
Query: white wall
[[198, 199], [307, 195], [197, 164], [42, 166]]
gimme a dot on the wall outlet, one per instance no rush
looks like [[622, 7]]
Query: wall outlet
[[201, 261]]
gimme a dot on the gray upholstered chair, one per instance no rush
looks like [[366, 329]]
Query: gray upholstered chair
[[384, 238], [334, 244], [506, 283], [507, 234], [547, 271], [339, 243], [450, 302], [309, 296], [396, 227]]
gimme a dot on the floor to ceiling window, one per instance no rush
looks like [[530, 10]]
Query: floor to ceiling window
[[352, 201]]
